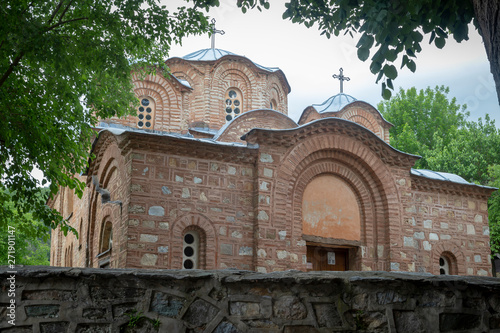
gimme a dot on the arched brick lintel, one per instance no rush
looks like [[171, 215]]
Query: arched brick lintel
[[357, 164], [183, 223], [453, 253]]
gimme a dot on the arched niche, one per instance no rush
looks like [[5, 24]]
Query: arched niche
[[330, 209]]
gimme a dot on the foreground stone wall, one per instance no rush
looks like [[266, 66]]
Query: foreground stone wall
[[49, 299]]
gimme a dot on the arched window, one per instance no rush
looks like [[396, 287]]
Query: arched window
[[447, 264], [273, 105], [444, 266], [233, 103], [146, 113], [106, 237], [191, 250]]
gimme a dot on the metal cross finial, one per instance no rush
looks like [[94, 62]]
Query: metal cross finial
[[341, 78], [215, 31]]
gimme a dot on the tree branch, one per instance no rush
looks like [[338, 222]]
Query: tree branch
[[64, 22], [11, 68], [55, 11], [65, 10]]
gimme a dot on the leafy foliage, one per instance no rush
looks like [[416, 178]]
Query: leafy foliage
[[63, 65], [31, 236], [390, 31], [430, 125], [422, 120], [494, 209]]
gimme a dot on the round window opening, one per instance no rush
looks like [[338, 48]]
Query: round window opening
[[145, 102], [189, 251], [189, 239], [232, 94], [188, 264]]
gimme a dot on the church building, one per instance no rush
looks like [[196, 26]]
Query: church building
[[211, 173]]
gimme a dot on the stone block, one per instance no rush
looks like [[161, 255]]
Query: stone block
[[185, 193], [149, 238], [149, 259], [470, 229], [266, 158], [165, 190], [428, 224], [42, 311], [245, 251], [166, 305], [197, 180], [244, 309], [268, 172], [200, 312], [162, 249], [419, 235], [54, 327], [231, 170], [433, 236], [94, 313], [136, 209], [164, 225], [226, 249], [289, 308], [262, 216], [327, 315], [156, 211]]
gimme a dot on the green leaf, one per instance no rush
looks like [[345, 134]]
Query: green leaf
[[389, 84], [375, 67], [390, 71], [440, 42], [363, 54], [411, 65], [386, 93]]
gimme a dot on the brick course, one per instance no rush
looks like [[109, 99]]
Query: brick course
[[242, 189]]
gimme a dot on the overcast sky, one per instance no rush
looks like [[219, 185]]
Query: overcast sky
[[309, 60]]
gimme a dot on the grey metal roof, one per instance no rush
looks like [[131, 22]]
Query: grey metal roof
[[334, 103], [444, 176], [215, 54]]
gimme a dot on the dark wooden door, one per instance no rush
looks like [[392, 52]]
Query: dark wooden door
[[327, 259]]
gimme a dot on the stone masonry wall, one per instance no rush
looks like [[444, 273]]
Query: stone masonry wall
[[442, 220], [64, 300], [171, 192]]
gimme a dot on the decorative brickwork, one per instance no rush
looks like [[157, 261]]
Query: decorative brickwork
[[239, 186]]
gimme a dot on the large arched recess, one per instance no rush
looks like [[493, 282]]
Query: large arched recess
[[109, 168], [356, 163]]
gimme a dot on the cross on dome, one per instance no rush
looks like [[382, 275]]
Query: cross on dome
[[214, 32], [341, 78]]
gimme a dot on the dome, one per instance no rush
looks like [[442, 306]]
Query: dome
[[216, 54], [334, 103], [207, 55]]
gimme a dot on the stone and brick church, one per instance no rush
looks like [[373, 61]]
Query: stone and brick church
[[211, 174]]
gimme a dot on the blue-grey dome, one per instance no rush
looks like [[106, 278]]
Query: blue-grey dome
[[216, 54], [334, 103], [207, 55]]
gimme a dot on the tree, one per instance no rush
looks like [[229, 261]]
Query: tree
[[396, 29], [494, 209], [63, 65], [30, 241], [422, 119], [430, 125]]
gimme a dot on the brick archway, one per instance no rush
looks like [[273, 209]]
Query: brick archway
[[363, 170], [208, 253]]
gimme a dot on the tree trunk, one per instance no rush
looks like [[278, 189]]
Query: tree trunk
[[487, 13]]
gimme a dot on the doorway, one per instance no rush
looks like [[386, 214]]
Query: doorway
[[327, 259]]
